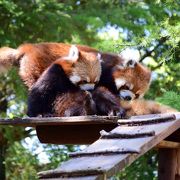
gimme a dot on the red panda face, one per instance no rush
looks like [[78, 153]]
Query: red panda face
[[131, 78], [132, 81], [82, 68]]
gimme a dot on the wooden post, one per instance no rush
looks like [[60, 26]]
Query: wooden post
[[3, 148], [177, 177], [2, 163], [169, 164]]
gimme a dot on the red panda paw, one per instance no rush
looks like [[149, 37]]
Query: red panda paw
[[121, 114], [107, 103], [48, 115]]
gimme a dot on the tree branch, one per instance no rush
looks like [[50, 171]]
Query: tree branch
[[160, 42]]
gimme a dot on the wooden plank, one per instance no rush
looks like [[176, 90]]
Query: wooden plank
[[72, 134], [112, 163], [168, 144], [177, 176], [78, 178], [168, 164], [147, 120], [37, 121]]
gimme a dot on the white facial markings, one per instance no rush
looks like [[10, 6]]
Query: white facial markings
[[126, 95], [73, 54], [129, 85], [87, 87], [130, 57], [140, 96], [88, 79], [75, 79], [120, 82], [120, 67], [96, 80], [99, 57]]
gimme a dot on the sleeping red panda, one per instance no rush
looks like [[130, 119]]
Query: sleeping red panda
[[142, 107], [127, 79], [33, 59], [71, 74], [73, 101]]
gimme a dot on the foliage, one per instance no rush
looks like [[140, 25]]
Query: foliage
[[57, 154], [170, 98], [143, 168], [152, 27], [20, 163]]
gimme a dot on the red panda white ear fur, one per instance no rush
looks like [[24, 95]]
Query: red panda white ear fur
[[129, 61], [73, 54], [99, 57]]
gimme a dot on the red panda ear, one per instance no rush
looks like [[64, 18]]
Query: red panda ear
[[73, 55], [131, 63], [99, 58]]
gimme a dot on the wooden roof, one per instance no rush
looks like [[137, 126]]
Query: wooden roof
[[117, 148]]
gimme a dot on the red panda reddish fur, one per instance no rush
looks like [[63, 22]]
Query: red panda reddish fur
[[33, 59], [144, 107], [56, 83]]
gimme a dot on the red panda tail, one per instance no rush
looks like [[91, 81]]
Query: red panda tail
[[8, 57]]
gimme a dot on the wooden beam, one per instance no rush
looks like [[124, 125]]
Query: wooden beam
[[168, 144], [45, 121], [175, 136], [73, 133], [177, 176], [2, 162], [169, 164]]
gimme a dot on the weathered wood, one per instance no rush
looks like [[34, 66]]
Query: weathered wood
[[106, 152], [63, 174], [94, 177], [66, 130], [145, 121], [175, 136], [72, 134], [106, 135], [37, 121], [2, 162], [177, 176], [112, 163], [168, 144], [169, 165]]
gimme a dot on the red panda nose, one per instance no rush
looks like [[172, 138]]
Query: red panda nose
[[127, 98]]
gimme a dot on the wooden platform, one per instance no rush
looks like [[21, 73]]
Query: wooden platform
[[119, 148], [66, 130], [120, 142]]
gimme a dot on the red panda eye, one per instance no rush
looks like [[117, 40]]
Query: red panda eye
[[131, 63], [136, 96], [84, 82], [124, 88]]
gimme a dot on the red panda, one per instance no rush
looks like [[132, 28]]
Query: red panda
[[33, 59], [71, 74], [143, 107], [128, 79]]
